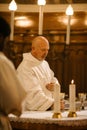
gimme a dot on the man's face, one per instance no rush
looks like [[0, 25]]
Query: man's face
[[41, 51]]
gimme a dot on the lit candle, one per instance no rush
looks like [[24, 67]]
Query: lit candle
[[72, 95], [57, 98], [12, 7], [69, 12], [41, 3]]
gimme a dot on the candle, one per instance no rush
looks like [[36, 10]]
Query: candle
[[12, 26], [41, 3], [12, 7], [72, 94], [57, 98], [68, 31], [40, 19], [69, 12]]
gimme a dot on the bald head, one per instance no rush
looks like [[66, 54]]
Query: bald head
[[40, 47], [39, 40]]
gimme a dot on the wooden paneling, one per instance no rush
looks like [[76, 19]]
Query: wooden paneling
[[54, 26], [47, 1], [70, 63]]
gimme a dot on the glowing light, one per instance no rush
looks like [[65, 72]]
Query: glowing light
[[41, 2], [23, 21], [65, 21], [72, 82], [69, 10], [13, 5]]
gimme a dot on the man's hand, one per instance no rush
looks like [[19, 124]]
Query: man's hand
[[62, 105], [50, 86]]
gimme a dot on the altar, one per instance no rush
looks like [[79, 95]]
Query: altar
[[39, 120]]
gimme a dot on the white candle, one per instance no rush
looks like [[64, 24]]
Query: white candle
[[57, 98], [72, 95], [12, 26], [69, 12], [40, 19], [68, 31]]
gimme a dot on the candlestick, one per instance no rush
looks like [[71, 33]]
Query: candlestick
[[57, 113], [72, 96]]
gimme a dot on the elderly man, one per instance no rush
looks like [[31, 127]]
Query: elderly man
[[37, 76]]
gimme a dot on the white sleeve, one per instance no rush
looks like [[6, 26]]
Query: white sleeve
[[11, 91]]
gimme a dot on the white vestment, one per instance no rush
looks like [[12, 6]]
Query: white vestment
[[11, 92], [36, 75]]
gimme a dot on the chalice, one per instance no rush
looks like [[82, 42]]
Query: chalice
[[62, 96], [82, 98]]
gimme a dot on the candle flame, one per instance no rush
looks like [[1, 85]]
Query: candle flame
[[41, 2], [69, 10], [72, 82], [13, 6]]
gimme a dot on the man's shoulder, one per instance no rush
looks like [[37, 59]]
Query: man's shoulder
[[45, 62], [26, 55]]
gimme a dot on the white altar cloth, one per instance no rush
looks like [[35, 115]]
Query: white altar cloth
[[46, 118]]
